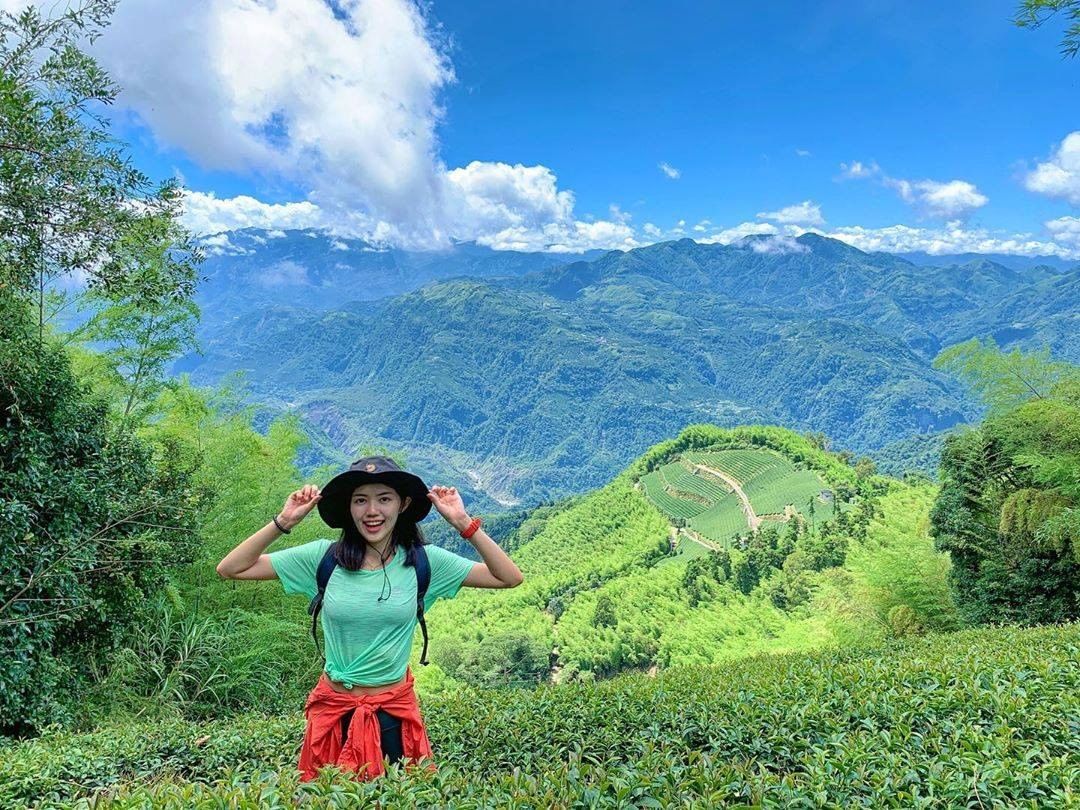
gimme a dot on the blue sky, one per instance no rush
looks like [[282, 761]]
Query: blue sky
[[903, 125], [728, 92]]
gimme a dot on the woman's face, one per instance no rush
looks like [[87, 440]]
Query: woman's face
[[375, 509]]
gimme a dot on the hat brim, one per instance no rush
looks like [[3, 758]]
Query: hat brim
[[334, 503]]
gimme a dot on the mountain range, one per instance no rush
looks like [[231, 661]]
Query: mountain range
[[526, 377]]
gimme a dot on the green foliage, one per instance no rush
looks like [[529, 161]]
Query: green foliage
[[1003, 380], [604, 612], [1035, 13], [91, 521], [70, 200], [176, 663], [1009, 490], [138, 339], [499, 660], [914, 455], [792, 585], [978, 718], [900, 582]]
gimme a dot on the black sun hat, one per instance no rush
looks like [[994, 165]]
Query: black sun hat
[[334, 504]]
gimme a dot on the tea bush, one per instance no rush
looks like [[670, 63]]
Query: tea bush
[[987, 718]]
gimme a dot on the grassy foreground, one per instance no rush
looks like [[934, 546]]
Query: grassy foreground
[[978, 718]]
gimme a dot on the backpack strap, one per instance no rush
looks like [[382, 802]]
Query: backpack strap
[[423, 579], [322, 576]]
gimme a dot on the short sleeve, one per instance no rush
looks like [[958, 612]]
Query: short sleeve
[[448, 571], [296, 566]]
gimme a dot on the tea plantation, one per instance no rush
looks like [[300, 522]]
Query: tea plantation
[[986, 718], [690, 491]]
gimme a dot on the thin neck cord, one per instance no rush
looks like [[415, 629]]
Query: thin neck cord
[[386, 577]]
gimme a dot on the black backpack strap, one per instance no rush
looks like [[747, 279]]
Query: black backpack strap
[[423, 579], [322, 576]]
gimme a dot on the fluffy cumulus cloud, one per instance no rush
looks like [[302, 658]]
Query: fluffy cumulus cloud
[[804, 213], [498, 195], [950, 200], [344, 104], [207, 214], [1059, 176], [340, 99], [954, 199], [1065, 230]]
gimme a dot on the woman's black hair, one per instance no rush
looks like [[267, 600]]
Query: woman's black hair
[[350, 551]]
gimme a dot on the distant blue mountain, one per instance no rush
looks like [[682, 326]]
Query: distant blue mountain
[[525, 376], [1004, 259], [251, 268]]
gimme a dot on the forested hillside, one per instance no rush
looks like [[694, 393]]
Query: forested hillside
[[606, 590], [494, 381]]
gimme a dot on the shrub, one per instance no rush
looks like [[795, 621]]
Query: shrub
[[978, 718], [86, 517]]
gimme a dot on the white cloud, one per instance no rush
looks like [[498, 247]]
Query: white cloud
[[341, 100], [942, 200], [206, 214], [569, 237], [856, 170], [669, 170], [954, 237], [220, 245], [649, 229], [1059, 176], [730, 235], [805, 213], [802, 152], [777, 245], [949, 200], [284, 273], [337, 244], [1065, 230], [343, 104], [501, 195]]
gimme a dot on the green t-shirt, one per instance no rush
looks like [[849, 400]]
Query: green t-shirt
[[367, 641]]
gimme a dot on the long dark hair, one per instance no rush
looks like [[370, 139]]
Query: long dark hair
[[352, 548]]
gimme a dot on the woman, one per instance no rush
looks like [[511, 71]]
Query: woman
[[364, 708]]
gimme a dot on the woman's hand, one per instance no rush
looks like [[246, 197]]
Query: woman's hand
[[448, 501], [299, 504]]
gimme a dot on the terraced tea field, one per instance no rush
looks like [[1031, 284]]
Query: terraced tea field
[[720, 493]]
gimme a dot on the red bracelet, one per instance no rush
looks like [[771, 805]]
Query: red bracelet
[[470, 530]]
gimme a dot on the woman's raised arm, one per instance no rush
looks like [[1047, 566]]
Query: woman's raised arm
[[247, 560], [497, 569]]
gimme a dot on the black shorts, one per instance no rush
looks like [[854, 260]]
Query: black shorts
[[389, 733]]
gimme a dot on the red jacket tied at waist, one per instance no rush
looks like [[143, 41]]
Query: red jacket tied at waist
[[362, 751]]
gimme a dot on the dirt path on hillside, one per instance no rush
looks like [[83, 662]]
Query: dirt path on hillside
[[694, 537], [751, 517]]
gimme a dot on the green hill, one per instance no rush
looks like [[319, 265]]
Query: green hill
[[987, 718], [605, 591]]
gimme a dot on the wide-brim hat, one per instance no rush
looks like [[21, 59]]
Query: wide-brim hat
[[334, 503]]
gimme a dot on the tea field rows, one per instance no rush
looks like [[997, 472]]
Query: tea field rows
[[987, 718]]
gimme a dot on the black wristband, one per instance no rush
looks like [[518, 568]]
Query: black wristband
[[281, 528]]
